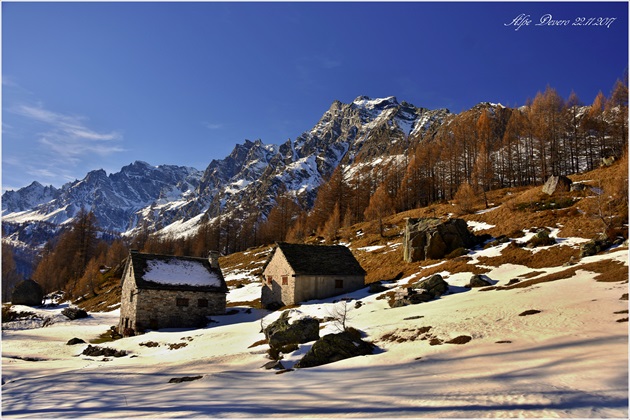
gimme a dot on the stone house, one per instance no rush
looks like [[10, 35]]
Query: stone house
[[296, 273], [164, 291]]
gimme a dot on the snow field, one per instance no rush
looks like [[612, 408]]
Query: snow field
[[569, 360]]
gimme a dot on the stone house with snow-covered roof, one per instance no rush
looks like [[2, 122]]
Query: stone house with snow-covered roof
[[165, 291], [296, 273]]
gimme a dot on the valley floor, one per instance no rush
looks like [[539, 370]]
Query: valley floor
[[568, 360]]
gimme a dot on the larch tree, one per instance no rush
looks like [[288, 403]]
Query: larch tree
[[466, 198], [332, 225], [573, 132], [484, 165], [381, 205], [10, 275], [546, 113], [617, 114]]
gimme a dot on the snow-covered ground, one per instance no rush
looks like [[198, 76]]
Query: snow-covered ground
[[569, 360]]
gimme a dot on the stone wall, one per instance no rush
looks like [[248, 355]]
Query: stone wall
[[128, 301], [143, 309], [159, 309], [301, 288], [321, 287], [274, 292]]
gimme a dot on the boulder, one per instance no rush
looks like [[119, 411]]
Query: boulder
[[479, 280], [420, 296], [103, 351], [74, 313], [595, 246], [281, 333], [541, 238], [411, 296], [334, 347], [377, 287], [461, 339], [434, 285], [431, 238], [274, 364], [529, 312], [578, 186], [184, 379], [74, 341], [27, 292], [497, 241], [557, 184]]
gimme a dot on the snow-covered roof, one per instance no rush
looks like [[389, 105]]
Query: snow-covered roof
[[152, 271]]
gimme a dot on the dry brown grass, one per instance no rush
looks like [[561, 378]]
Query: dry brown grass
[[549, 257], [564, 274], [107, 298], [508, 220], [258, 343], [531, 274], [456, 265], [252, 259], [405, 334], [256, 304], [576, 220], [608, 271]]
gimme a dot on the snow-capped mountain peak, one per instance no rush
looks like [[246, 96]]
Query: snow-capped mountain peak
[[366, 102], [246, 182]]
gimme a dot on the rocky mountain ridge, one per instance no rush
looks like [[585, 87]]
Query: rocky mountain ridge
[[246, 182]]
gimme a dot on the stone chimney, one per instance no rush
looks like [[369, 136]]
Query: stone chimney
[[213, 257]]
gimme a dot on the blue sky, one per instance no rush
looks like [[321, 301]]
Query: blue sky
[[100, 85]]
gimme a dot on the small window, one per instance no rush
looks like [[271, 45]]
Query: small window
[[338, 284], [202, 303], [269, 280], [131, 297], [285, 280], [182, 302]]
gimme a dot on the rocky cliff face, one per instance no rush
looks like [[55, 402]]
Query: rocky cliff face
[[28, 197]]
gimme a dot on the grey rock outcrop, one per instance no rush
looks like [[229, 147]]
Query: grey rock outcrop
[[595, 246], [541, 238], [74, 313], [422, 291], [557, 184], [431, 238], [281, 333], [334, 347], [479, 280], [434, 285], [409, 296]]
